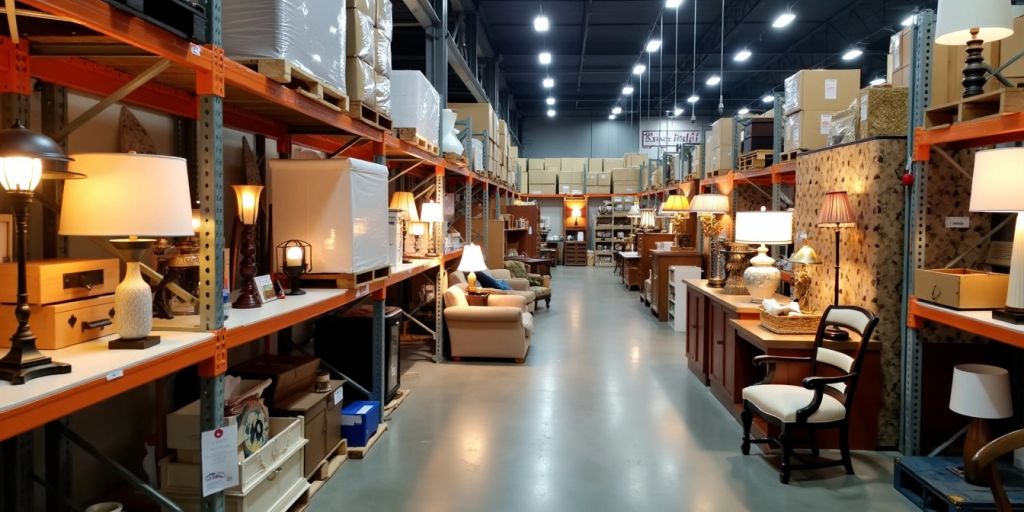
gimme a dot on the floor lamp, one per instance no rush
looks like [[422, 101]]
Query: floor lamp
[[835, 214]]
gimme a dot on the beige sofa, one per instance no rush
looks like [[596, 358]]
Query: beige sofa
[[520, 287], [499, 330]]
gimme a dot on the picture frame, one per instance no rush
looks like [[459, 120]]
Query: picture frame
[[265, 288], [6, 237]]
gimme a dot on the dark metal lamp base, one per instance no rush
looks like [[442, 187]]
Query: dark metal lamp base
[[834, 333], [1009, 315], [136, 344], [21, 374]]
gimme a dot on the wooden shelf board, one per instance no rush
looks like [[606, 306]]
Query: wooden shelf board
[[975, 322], [981, 132]]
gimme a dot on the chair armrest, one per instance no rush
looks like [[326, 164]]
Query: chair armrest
[[518, 284], [512, 301], [488, 314], [545, 280], [984, 462], [770, 361], [821, 382]]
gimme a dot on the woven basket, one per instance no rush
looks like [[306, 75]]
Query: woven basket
[[800, 324]]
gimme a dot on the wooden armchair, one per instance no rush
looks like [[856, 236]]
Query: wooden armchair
[[820, 402], [985, 461]]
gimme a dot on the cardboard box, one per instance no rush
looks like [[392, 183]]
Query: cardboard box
[[1012, 46], [720, 158], [541, 188], [595, 165], [571, 178], [482, 117], [613, 163], [571, 188], [359, 77], [359, 421], [821, 89], [183, 432], [901, 48], [599, 179], [523, 165], [553, 164], [573, 165], [321, 413], [807, 129], [543, 177], [961, 288], [721, 132], [535, 164], [635, 159], [289, 374], [625, 187], [599, 189], [513, 152], [882, 111], [626, 174]]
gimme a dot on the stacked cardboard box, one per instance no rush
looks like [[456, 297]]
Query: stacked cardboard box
[[543, 182], [719, 145], [599, 182], [759, 134], [571, 182], [625, 180], [552, 164], [482, 120], [382, 33], [535, 164], [635, 159], [812, 95], [613, 163], [360, 51], [573, 165], [595, 165]]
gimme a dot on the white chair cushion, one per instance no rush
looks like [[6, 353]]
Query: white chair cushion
[[782, 401], [528, 324]]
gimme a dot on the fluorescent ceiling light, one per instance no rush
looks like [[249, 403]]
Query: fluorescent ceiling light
[[783, 20], [878, 81], [714, 80], [639, 69], [768, 98], [548, 82], [693, 99], [551, 112], [617, 110], [550, 100], [627, 90], [677, 111], [672, 4], [853, 53], [742, 55], [653, 45], [744, 111], [541, 23], [545, 57], [611, 117], [909, 20]]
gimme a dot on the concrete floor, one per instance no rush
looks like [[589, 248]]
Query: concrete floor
[[603, 416]]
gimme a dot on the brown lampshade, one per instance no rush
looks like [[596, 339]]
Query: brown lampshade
[[835, 211]]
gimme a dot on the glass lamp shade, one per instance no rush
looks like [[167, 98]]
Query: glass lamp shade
[[431, 212], [248, 199], [763, 227], [995, 186], [806, 256], [647, 218], [835, 211], [472, 259], [406, 202], [127, 194], [22, 153], [709, 203], [676, 204], [956, 18], [418, 228], [981, 391]]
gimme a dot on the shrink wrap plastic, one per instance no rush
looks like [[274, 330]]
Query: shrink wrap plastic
[[415, 104], [359, 41]]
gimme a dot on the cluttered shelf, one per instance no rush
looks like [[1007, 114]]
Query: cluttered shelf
[[976, 322]]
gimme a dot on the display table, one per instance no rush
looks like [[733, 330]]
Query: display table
[[624, 262], [660, 263]]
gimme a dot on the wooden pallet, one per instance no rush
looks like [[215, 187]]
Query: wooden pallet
[[400, 397], [757, 159], [410, 135], [981, 106], [790, 155], [456, 159], [345, 280], [359, 452], [369, 115], [717, 172], [330, 465], [304, 83], [929, 484]]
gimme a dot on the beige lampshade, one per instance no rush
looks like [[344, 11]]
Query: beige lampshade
[[472, 259], [127, 194], [247, 198], [995, 186], [709, 203], [634, 211], [806, 256], [764, 227], [981, 391], [418, 228], [406, 202], [956, 18], [647, 218], [835, 211], [431, 212], [676, 204]]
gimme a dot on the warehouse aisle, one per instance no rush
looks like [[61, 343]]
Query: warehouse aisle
[[604, 416]]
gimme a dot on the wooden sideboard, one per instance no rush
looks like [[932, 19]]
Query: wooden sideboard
[[645, 243], [660, 262]]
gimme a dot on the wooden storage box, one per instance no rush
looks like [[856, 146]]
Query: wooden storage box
[[883, 111], [321, 413], [289, 374], [961, 288], [64, 324], [60, 280]]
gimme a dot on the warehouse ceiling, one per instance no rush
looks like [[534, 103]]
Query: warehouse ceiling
[[595, 44]]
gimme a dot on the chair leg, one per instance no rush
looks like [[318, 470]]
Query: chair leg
[[547, 303], [812, 437], [787, 449], [748, 418], [844, 447]]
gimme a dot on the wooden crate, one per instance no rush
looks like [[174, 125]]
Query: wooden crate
[[359, 452], [306, 84], [346, 280], [981, 106], [369, 115], [758, 159], [410, 135], [929, 484]]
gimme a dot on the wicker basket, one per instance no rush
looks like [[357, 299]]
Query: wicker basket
[[799, 324]]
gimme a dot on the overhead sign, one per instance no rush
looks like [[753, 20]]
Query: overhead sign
[[668, 138]]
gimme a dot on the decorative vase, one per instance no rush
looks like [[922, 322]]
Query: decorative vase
[[762, 278], [739, 261], [449, 141]]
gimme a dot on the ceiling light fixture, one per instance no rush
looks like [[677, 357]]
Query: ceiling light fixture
[[853, 53], [627, 90], [713, 80], [639, 69], [673, 4], [783, 20], [611, 117], [693, 99], [541, 23], [551, 112], [743, 111], [878, 81], [768, 98], [909, 20], [742, 55], [550, 100], [653, 45], [548, 82], [617, 110], [677, 111], [545, 57]]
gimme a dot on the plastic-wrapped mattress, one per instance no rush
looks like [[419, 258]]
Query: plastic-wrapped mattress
[[415, 104]]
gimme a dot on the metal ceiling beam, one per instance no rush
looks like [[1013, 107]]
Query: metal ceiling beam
[[462, 69], [583, 45], [423, 12]]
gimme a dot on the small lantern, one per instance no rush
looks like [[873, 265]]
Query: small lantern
[[295, 257]]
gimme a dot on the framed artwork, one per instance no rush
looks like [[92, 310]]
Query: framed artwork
[[266, 289], [6, 238]]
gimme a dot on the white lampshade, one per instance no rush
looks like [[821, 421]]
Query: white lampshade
[[127, 194], [996, 183], [634, 211], [768, 228], [956, 18], [431, 212], [709, 203], [981, 391], [472, 259]]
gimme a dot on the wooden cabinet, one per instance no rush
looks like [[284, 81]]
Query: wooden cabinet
[[697, 322], [660, 263], [575, 253], [526, 240], [645, 243]]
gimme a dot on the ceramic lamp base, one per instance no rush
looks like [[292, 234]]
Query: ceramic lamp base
[[133, 299], [761, 277]]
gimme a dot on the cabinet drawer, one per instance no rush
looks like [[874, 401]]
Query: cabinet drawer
[[65, 324]]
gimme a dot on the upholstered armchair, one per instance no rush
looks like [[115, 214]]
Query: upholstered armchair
[[519, 287], [538, 284], [499, 330]]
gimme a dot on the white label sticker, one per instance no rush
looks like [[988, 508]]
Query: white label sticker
[[350, 420], [864, 107], [831, 88], [116, 374], [958, 222], [219, 459], [826, 123], [339, 394], [364, 409], [195, 49]]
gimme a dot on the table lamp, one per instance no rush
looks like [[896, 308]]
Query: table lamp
[[247, 197], [296, 257], [971, 23], [431, 213], [140, 197], [679, 206], [835, 213], [647, 219], [802, 278], [996, 188], [22, 155], [417, 229], [406, 202], [634, 211], [472, 261], [980, 392], [575, 213], [708, 207], [765, 228]]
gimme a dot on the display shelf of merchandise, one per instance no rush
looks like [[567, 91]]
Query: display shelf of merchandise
[[976, 322], [1006, 127], [563, 196], [97, 374], [724, 179]]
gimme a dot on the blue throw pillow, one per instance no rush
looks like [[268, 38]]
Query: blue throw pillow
[[487, 281]]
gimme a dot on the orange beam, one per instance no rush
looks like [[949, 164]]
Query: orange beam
[[982, 132], [917, 314]]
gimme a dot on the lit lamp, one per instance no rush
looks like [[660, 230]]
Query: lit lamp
[[802, 278], [431, 213], [634, 211], [764, 228], [679, 206], [417, 229], [140, 197], [21, 168], [406, 202], [296, 256], [996, 188], [472, 261], [647, 219], [980, 392], [575, 213], [971, 23], [248, 199], [836, 214], [708, 207]]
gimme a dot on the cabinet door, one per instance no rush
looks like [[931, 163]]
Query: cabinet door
[[692, 341], [701, 347], [729, 350], [717, 347]]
